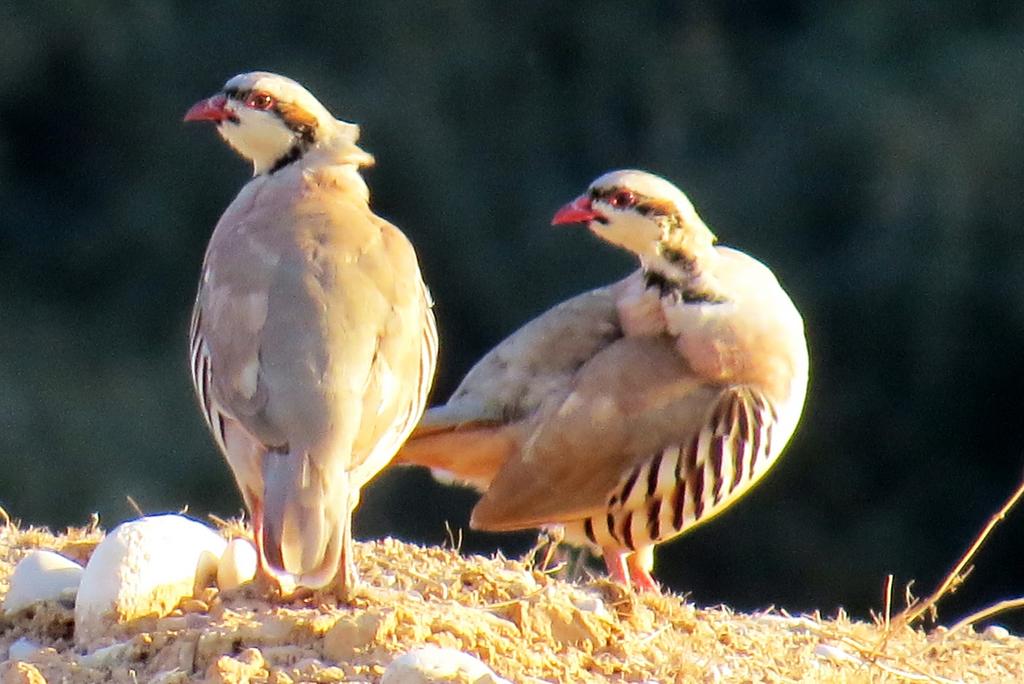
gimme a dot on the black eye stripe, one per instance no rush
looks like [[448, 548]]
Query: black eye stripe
[[607, 193], [243, 95], [644, 205], [302, 129]]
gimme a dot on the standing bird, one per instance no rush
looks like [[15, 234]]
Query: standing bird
[[312, 344], [633, 412]]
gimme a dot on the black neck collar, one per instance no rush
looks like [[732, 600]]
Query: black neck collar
[[293, 154], [667, 287]]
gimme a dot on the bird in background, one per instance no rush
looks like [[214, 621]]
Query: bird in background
[[312, 342], [628, 414]]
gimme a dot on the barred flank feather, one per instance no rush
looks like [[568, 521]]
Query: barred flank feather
[[683, 485], [199, 357]]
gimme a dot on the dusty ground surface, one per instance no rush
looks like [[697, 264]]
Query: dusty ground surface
[[526, 625]]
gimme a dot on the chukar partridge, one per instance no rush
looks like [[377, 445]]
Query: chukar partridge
[[633, 412], [312, 340]]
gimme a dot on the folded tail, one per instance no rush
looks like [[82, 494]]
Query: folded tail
[[304, 536]]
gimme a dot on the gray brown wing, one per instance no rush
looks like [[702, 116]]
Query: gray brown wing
[[472, 435], [537, 360], [629, 402]]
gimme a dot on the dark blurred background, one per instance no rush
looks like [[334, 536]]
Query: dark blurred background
[[871, 153]]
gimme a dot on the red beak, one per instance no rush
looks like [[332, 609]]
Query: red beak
[[211, 109], [577, 211]]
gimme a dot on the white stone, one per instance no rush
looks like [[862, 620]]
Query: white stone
[[433, 665], [238, 564], [142, 568], [41, 576], [591, 604], [108, 656], [996, 633], [23, 649], [835, 654]]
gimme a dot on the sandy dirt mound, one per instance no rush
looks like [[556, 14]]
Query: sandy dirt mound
[[526, 625]]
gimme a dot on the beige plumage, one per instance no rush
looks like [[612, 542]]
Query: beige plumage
[[312, 340], [630, 413]]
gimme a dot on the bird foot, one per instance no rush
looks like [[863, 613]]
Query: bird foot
[[639, 564], [631, 569], [548, 542], [643, 581]]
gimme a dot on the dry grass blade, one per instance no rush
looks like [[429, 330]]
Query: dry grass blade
[[134, 505], [217, 520], [984, 613], [455, 540], [231, 528], [888, 601], [913, 612]]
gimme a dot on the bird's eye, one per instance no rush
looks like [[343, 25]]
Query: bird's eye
[[622, 199], [259, 100]]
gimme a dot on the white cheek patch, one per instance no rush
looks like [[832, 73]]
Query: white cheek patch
[[629, 230], [259, 136]]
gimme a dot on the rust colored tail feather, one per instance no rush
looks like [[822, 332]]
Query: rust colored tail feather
[[469, 454]]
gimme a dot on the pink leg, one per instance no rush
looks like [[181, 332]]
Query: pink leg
[[256, 509], [264, 579], [616, 562], [639, 564]]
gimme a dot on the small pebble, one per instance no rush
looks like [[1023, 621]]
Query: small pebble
[[835, 654], [107, 657], [16, 672], [237, 565], [352, 633], [591, 604], [173, 623], [208, 595], [175, 676], [191, 605], [435, 665], [278, 677], [41, 576], [996, 633], [251, 656], [23, 649]]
